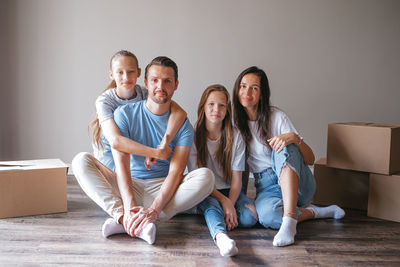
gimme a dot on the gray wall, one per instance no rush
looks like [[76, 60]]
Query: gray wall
[[327, 61]]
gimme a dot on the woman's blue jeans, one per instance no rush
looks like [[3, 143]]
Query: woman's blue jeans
[[214, 214], [269, 203]]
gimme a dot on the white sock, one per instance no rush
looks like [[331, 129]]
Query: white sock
[[332, 211], [286, 233], [111, 227], [148, 233], [227, 246]]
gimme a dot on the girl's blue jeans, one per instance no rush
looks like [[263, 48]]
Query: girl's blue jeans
[[214, 214], [268, 202]]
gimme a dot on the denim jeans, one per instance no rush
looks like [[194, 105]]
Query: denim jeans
[[269, 203], [214, 214]]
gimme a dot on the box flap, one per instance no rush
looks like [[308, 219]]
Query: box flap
[[31, 164], [371, 124]]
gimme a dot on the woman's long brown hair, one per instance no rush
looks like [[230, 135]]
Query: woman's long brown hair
[[241, 119]]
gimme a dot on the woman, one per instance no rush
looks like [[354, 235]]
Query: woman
[[277, 157]]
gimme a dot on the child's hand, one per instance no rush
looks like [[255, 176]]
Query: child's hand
[[230, 214], [149, 161], [163, 152]]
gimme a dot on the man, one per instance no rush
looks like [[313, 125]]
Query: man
[[161, 191]]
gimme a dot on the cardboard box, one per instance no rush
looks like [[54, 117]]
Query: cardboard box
[[32, 187], [384, 197], [367, 147], [347, 189]]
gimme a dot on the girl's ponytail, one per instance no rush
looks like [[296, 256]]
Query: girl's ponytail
[[95, 124]]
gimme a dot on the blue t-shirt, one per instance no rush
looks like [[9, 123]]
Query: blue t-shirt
[[136, 122]]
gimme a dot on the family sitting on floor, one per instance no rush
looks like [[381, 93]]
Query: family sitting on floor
[[143, 143]]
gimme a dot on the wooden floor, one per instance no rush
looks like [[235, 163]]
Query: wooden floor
[[74, 238]]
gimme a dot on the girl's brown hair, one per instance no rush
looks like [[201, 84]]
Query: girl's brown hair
[[95, 125], [224, 152]]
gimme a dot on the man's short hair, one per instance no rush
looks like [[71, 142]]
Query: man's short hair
[[162, 61]]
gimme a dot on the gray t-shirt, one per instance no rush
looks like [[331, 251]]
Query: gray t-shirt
[[108, 101], [106, 104]]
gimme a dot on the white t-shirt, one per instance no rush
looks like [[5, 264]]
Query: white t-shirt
[[260, 154], [238, 159]]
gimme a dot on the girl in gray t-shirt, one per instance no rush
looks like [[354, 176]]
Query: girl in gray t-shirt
[[123, 90]]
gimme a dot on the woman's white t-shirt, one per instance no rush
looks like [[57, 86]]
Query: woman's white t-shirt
[[238, 159], [260, 152]]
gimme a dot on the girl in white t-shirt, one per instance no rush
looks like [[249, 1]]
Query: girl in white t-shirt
[[92, 171], [220, 148], [278, 158]]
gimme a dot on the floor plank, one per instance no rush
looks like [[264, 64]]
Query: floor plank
[[74, 238]]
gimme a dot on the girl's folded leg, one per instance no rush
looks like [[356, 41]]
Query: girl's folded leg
[[214, 216]]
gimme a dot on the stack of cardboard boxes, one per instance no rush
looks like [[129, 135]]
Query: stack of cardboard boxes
[[362, 169]]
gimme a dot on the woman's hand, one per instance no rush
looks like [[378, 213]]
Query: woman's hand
[[278, 142], [230, 214]]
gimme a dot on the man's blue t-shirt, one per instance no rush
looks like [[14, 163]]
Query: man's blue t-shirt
[[136, 122]]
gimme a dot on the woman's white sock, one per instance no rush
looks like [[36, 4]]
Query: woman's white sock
[[286, 233], [227, 246], [332, 211], [111, 227]]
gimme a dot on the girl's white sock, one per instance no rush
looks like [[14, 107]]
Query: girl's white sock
[[227, 246], [332, 211], [286, 233], [111, 227]]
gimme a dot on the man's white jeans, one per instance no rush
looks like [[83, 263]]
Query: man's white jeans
[[100, 184]]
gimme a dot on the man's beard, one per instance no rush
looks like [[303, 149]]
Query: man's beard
[[160, 100]]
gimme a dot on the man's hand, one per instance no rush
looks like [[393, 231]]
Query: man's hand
[[230, 214], [136, 218]]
